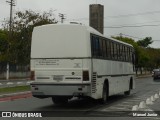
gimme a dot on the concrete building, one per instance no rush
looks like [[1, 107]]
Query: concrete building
[[96, 19]]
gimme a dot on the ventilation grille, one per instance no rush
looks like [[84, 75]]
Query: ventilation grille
[[94, 78]]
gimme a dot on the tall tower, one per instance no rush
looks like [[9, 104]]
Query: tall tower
[[96, 17]]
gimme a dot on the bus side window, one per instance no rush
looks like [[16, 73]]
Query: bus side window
[[112, 50], [133, 60], [104, 49], [115, 51], [101, 52], [118, 51], [97, 47], [123, 53], [93, 46], [108, 49], [130, 55]]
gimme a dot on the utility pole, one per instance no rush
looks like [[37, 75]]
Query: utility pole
[[121, 36], [62, 17], [11, 3]]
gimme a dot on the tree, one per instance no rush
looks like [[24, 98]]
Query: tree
[[24, 22], [142, 57], [129, 41], [3, 45], [154, 58], [145, 42]]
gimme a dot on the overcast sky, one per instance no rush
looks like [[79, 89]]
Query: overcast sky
[[136, 18]]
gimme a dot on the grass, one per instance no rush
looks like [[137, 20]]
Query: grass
[[14, 89]]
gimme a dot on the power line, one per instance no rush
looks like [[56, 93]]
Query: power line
[[136, 14], [132, 26], [120, 16], [136, 23], [134, 37], [127, 15]]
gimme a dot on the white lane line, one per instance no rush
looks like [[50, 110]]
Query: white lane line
[[120, 108], [19, 83], [124, 105], [28, 83], [9, 83], [134, 99]]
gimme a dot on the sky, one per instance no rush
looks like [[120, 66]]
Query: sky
[[133, 18]]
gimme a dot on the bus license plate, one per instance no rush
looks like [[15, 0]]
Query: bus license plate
[[58, 77]]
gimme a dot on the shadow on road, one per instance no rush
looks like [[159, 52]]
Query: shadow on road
[[85, 104]]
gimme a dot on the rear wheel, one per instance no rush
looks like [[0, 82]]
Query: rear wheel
[[59, 100], [104, 98], [129, 91]]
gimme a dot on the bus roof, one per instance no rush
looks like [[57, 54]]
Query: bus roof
[[63, 40], [89, 29]]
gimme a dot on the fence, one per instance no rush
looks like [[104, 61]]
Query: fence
[[15, 71]]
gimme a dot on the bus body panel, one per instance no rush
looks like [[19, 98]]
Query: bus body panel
[[60, 77], [117, 73], [60, 41], [61, 89], [60, 54]]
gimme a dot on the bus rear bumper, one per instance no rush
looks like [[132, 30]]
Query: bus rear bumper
[[51, 90]]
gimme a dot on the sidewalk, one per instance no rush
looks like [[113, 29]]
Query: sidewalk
[[143, 76], [14, 79]]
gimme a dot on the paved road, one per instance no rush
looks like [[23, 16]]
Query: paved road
[[117, 105]]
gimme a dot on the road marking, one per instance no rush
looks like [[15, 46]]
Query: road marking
[[133, 100], [10, 83], [124, 105], [28, 83], [19, 83], [116, 109], [127, 102]]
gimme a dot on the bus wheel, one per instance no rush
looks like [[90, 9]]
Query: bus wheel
[[129, 91], [59, 100], [104, 98]]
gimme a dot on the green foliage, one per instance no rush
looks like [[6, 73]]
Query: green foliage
[[154, 55], [20, 43], [132, 42], [145, 42], [3, 45], [145, 57]]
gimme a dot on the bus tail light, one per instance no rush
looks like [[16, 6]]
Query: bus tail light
[[85, 75], [32, 77]]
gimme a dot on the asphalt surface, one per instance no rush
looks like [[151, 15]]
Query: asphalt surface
[[145, 88]]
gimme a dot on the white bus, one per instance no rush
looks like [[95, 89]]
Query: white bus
[[77, 61]]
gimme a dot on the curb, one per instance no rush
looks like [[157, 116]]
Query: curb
[[14, 96], [143, 105], [143, 76], [23, 79]]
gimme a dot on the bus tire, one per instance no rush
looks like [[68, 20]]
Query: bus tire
[[104, 98], [59, 100], [129, 91]]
